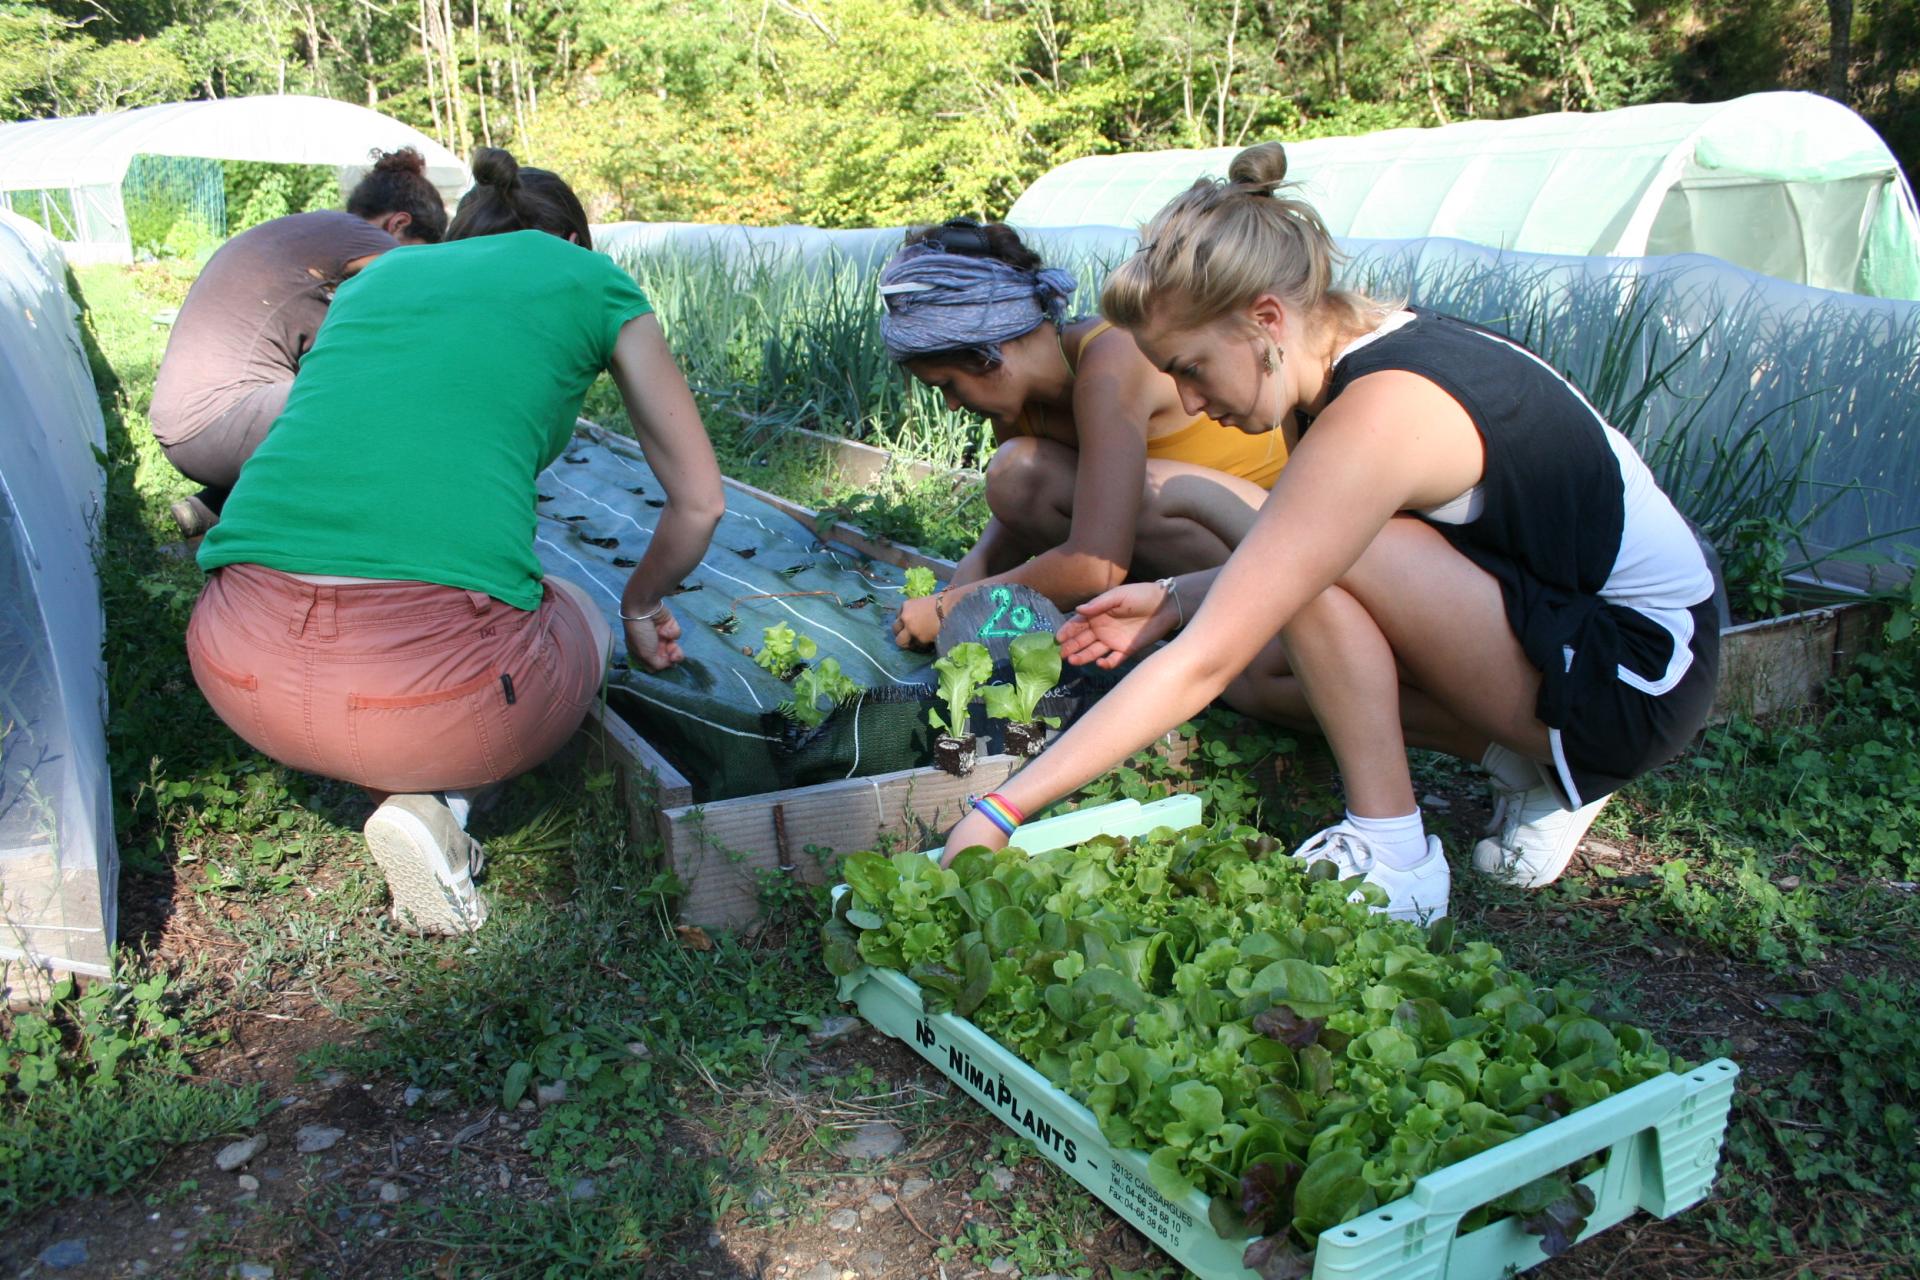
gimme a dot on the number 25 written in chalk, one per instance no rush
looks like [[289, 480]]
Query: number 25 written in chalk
[[1019, 621]]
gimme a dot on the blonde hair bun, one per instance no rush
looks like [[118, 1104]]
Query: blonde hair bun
[[1260, 168]]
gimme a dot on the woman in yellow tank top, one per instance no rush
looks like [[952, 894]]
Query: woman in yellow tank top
[[1102, 474]]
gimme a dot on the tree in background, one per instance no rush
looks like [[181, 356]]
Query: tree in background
[[850, 112]]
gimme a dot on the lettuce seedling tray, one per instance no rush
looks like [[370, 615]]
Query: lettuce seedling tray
[[1662, 1137]]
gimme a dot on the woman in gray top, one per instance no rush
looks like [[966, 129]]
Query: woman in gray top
[[252, 314]]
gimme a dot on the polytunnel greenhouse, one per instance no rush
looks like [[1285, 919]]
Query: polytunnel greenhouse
[[68, 174], [1791, 185], [58, 863]]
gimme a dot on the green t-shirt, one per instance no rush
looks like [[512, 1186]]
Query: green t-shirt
[[445, 379]]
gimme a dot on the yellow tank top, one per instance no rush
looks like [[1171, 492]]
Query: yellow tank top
[[1202, 442]]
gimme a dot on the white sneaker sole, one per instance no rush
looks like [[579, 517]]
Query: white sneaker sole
[[1492, 858], [428, 894]]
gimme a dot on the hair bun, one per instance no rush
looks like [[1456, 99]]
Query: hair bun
[[403, 160], [493, 167], [1260, 168]]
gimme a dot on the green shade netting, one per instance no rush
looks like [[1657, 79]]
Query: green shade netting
[[716, 715]]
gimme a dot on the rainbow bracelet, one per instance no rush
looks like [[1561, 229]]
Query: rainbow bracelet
[[999, 812]]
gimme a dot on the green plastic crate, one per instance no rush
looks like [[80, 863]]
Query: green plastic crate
[[1664, 1135]]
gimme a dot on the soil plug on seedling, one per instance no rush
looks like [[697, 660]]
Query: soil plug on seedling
[[960, 672], [1036, 670]]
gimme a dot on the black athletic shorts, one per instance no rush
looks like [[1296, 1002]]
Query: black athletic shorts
[[1608, 697]]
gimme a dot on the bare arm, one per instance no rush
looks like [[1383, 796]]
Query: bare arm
[[1114, 393], [1392, 441], [671, 435]]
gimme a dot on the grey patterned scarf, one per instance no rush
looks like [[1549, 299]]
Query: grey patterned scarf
[[937, 301]]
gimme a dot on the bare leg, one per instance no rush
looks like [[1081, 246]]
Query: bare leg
[[1030, 492], [1411, 611], [1268, 690], [1191, 518]]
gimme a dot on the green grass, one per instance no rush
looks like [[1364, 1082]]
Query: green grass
[[1756, 868]]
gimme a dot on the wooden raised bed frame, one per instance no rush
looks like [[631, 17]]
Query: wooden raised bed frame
[[721, 850]]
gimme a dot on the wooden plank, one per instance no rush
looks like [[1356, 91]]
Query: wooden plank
[[863, 464], [719, 849], [648, 783], [1777, 664]]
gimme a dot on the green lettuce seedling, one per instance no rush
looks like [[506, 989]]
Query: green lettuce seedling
[[960, 672], [823, 680], [1036, 669], [1245, 1022], [920, 582], [782, 650]]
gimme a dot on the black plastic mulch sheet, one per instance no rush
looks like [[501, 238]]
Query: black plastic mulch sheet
[[716, 716]]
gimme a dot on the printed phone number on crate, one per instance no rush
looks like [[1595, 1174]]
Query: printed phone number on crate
[[1152, 1211]]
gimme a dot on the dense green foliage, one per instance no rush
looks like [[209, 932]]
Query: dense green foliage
[[1236, 1014], [875, 112]]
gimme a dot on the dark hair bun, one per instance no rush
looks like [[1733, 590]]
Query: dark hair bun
[[404, 160], [493, 167], [1259, 168]]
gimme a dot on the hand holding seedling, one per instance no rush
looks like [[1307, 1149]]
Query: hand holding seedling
[[918, 623], [1117, 624], [654, 640]]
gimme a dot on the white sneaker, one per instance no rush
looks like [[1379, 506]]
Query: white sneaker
[[1416, 893], [1533, 834], [429, 862]]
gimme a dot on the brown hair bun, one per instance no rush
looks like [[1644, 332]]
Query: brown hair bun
[[403, 160], [493, 167]]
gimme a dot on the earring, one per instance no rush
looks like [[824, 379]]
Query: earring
[[1270, 357]]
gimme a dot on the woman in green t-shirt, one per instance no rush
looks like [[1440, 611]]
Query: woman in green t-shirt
[[375, 611]]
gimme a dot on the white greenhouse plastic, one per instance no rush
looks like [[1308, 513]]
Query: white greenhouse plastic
[[84, 159], [1791, 185], [58, 862]]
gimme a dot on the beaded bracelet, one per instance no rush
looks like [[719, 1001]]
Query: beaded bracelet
[[999, 811]]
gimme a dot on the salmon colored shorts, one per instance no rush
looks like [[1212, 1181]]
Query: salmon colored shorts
[[398, 687]]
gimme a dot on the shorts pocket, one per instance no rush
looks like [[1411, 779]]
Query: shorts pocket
[[460, 736]]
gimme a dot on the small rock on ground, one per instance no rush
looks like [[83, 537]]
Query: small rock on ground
[[252, 1271], [413, 1095], [761, 1198], [878, 1203], [843, 1219], [550, 1095], [248, 1183], [874, 1140], [392, 1193], [315, 1138], [833, 1028], [63, 1254], [915, 1187], [871, 1263], [235, 1154], [1001, 1266], [821, 1271], [1002, 1177], [582, 1189], [331, 1079]]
